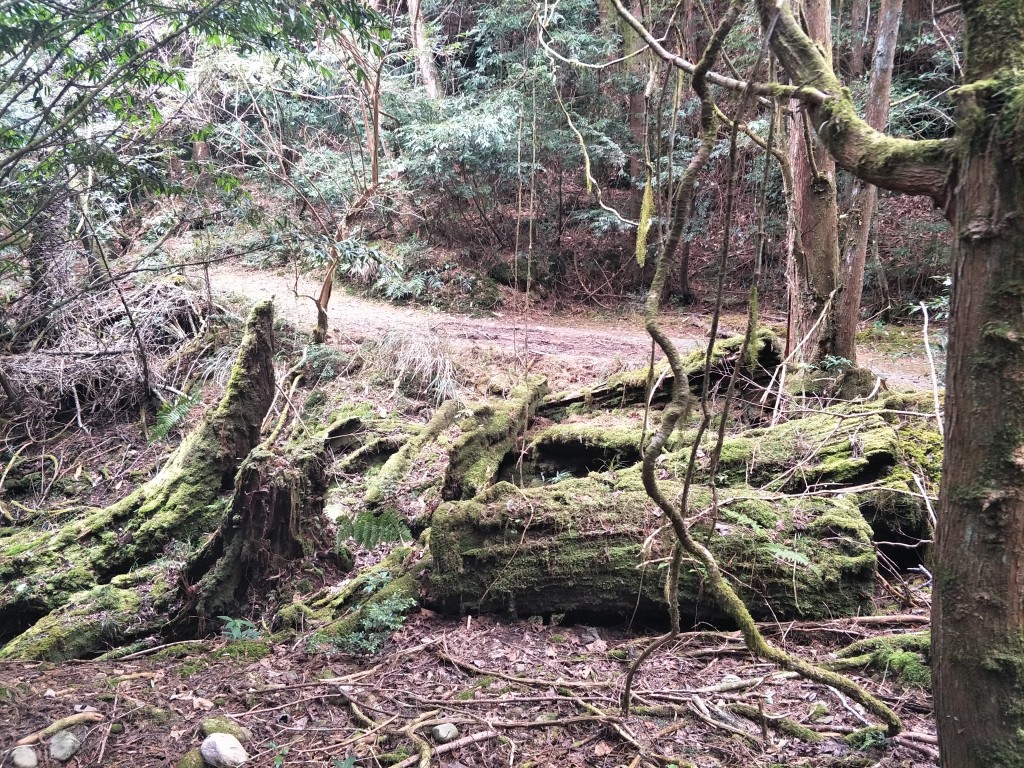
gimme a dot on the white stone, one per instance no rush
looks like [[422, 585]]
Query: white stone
[[222, 750], [443, 733], [64, 745], [24, 757]]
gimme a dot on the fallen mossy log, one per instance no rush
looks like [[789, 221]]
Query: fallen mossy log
[[578, 548], [887, 449], [457, 454], [792, 526], [78, 564], [631, 387]]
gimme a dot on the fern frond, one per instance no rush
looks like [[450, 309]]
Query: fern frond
[[170, 415], [369, 529]]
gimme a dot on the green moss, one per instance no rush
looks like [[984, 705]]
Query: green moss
[[384, 485], [487, 437], [98, 618], [253, 650], [191, 759], [783, 725], [225, 725], [298, 616], [903, 658], [394, 757], [575, 547], [193, 667]]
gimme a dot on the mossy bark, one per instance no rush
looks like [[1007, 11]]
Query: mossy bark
[[275, 518], [457, 454], [182, 503], [577, 547]]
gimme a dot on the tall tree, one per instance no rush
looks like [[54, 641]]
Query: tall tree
[[424, 56], [861, 203], [860, 12], [978, 180], [813, 268]]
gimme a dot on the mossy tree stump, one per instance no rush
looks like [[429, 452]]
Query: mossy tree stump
[[80, 564]]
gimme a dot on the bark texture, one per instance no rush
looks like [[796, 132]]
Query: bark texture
[[814, 249], [978, 603], [978, 608], [424, 56], [106, 566], [860, 209]]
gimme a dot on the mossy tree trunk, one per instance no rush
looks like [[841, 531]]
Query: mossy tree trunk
[[104, 569], [813, 265], [275, 519], [978, 611], [978, 605]]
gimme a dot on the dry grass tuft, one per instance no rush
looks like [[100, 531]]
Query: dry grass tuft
[[419, 362]]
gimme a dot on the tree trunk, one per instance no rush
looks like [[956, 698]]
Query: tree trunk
[[863, 196], [978, 602], [573, 548], [636, 109], [814, 253], [978, 606], [860, 11], [98, 562], [424, 55]]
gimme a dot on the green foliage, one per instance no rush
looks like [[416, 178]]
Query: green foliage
[[324, 362], [833, 363], [280, 752], [787, 556], [369, 529], [866, 738], [376, 624], [171, 414], [238, 629]]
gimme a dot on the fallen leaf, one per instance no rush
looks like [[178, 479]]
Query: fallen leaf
[[602, 749]]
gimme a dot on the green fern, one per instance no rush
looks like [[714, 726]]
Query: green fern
[[788, 556], [170, 415], [369, 529]]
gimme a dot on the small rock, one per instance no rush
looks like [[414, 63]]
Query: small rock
[[64, 745], [443, 733], [213, 725], [222, 750], [24, 757]]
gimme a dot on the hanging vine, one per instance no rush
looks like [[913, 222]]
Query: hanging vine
[[679, 406]]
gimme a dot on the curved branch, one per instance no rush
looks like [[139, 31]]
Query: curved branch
[[809, 95], [922, 167]]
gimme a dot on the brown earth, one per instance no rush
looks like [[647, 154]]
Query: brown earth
[[570, 347]]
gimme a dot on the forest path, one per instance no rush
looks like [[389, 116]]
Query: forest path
[[568, 347]]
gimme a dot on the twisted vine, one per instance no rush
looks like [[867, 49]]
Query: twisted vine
[[679, 407]]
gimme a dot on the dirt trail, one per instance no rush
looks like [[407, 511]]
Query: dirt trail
[[568, 348]]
